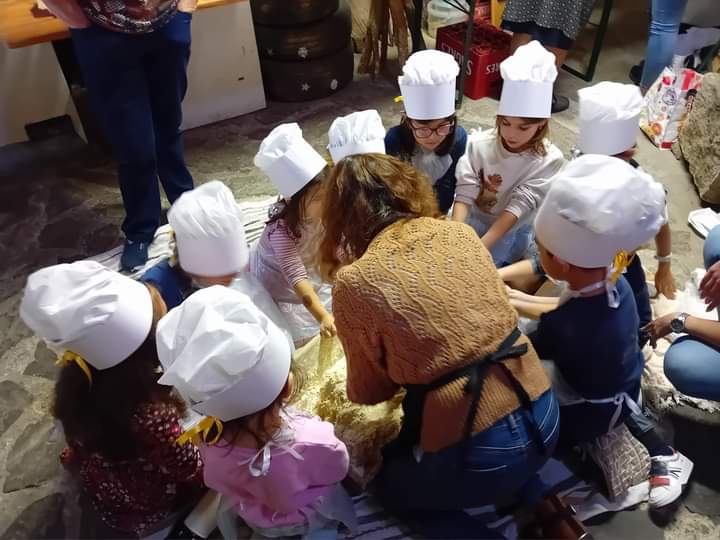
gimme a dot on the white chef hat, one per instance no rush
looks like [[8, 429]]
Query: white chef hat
[[609, 117], [288, 159], [209, 231], [528, 77], [596, 207], [88, 309], [222, 354], [428, 85], [361, 132]]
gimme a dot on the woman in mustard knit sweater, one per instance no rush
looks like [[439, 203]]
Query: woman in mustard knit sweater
[[419, 305]]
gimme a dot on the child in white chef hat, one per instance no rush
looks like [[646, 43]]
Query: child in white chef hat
[[120, 425], [429, 135], [609, 125], [278, 469], [597, 211], [361, 132], [505, 173], [209, 231], [283, 259]]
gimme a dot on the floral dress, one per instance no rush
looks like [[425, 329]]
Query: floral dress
[[136, 494]]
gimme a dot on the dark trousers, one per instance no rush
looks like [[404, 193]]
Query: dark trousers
[[636, 277], [136, 84]]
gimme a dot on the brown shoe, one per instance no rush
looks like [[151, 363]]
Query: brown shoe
[[555, 520]]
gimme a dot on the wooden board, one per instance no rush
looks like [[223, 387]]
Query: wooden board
[[19, 27]]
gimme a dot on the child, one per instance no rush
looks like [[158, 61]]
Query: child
[[360, 132], [609, 125], [286, 251], [597, 211], [276, 468], [428, 135], [209, 231], [120, 425], [504, 174]]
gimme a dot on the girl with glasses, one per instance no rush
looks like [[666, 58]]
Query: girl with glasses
[[428, 135]]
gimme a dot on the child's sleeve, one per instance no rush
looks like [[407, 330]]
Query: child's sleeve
[[333, 460], [157, 427], [529, 194], [468, 173], [287, 255], [368, 381]]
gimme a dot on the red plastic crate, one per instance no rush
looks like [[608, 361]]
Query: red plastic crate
[[490, 47]]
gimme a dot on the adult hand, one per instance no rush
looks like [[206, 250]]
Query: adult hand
[[710, 287], [664, 282], [327, 326], [659, 328]]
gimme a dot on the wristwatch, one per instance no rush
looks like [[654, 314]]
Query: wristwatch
[[677, 324]]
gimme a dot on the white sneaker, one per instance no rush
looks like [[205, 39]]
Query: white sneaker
[[668, 477]]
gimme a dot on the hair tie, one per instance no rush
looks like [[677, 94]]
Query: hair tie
[[70, 357], [202, 430], [621, 262]]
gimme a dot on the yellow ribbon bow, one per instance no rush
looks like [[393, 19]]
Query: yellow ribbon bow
[[69, 357], [202, 429], [621, 262], [398, 99]]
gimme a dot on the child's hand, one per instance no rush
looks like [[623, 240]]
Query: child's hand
[[327, 326], [664, 282]]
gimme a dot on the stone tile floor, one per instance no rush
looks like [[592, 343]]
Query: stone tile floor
[[59, 202]]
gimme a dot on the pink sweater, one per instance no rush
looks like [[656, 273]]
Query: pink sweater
[[304, 466]]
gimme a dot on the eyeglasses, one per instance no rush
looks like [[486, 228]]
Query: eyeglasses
[[424, 132]]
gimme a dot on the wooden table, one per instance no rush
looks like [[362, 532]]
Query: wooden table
[[19, 27]]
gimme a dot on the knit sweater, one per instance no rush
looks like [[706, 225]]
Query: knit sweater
[[424, 300]]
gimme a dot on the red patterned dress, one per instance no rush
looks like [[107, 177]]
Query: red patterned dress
[[134, 495]]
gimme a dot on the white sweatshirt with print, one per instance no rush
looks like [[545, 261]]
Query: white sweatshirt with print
[[516, 183]]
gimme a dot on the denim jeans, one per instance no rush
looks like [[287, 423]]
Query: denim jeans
[[666, 17], [693, 366], [500, 464], [635, 276], [136, 84]]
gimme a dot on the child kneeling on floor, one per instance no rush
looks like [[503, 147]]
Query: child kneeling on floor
[[120, 425], [506, 172], [276, 468], [283, 258], [598, 210]]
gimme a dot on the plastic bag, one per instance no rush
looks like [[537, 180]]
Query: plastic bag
[[667, 104]]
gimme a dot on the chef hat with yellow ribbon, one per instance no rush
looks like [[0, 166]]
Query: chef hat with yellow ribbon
[[288, 159], [609, 118], [361, 132], [223, 355], [99, 316], [598, 206], [528, 78], [428, 85], [209, 231]]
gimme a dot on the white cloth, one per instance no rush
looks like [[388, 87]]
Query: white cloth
[[528, 77], [596, 207], [609, 117], [88, 309], [361, 132], [209, 231], [428, 85], [288, 160], [703, 220], [222, 354], [512, 182]]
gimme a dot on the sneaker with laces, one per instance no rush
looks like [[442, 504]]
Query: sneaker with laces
[[134, 255], [668, 477]]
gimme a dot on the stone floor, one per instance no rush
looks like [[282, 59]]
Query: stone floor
[[59, 202]]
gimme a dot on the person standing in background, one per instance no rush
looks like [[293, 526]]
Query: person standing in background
[[554, 23], [133, 55], [666, 16]]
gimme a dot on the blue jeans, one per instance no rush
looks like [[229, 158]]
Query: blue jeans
[[635, 276], [501, 464], [666, 17], [136, 84], [693, 366]]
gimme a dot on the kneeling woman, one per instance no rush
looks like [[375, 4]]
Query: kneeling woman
[[419, 305]]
